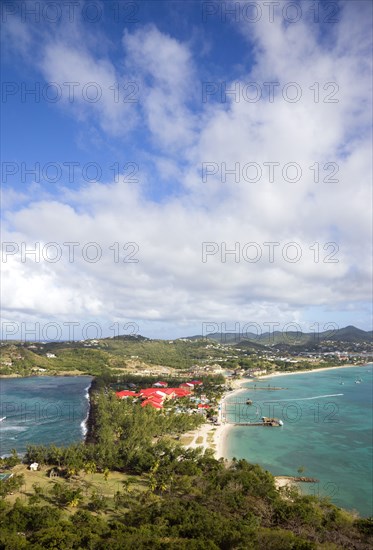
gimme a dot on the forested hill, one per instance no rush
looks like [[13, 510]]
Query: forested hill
[[227, 350], [290, 337]]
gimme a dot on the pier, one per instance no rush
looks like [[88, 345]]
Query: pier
[[272, 422], [254, 424]]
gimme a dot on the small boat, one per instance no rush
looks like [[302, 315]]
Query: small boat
[[249, 402], [3, 418], [271, 421]]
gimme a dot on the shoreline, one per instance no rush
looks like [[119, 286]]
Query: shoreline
[[307, 371], [90, 421], [218, 441], [214, 436], [275, 373]]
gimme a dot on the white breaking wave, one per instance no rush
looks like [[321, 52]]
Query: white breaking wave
[[83, 424], [13, 429]]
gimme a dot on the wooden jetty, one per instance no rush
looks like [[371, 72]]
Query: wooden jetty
[[271, 422]]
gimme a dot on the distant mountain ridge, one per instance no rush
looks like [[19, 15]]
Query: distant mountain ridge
[[349, 334]]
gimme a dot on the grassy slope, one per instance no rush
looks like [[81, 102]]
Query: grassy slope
[[87, 482], [109, 353]]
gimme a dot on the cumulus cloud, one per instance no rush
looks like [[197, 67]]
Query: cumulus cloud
[[165, 69], [329, 221]]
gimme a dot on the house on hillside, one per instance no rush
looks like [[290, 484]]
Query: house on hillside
[[34, 467]]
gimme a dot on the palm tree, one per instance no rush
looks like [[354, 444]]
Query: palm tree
[[126, 486], [162, 486], [152, 483], [90, 467]]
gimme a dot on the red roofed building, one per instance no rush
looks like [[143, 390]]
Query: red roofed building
[[180, 392], [197, 382], [156, 397], [155, 401], [151, 391], [125, 393], [202, 406], [170, 392]]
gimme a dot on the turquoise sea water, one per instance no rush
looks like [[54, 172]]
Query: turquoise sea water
[[42, 410], [327, 430]]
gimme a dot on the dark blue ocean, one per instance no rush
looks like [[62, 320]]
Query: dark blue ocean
[[327, 430], [42, 410]]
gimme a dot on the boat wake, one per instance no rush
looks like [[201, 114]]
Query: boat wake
[[308, 398]]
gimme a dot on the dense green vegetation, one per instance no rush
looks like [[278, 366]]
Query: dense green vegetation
[[178, 354], [18, 359], [106, 355], [193, 502], [122, 436], [172, 498]]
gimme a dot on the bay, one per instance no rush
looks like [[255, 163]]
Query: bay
[[42, 410], [327, 431]]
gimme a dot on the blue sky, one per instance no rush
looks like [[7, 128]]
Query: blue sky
[[153, 148]]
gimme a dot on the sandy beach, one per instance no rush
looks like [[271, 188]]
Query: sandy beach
[[307, 371], [208, 436], [213, 436]]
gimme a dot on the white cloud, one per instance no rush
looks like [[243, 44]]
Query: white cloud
[[165, 69], [95, 81], [170, 282]]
